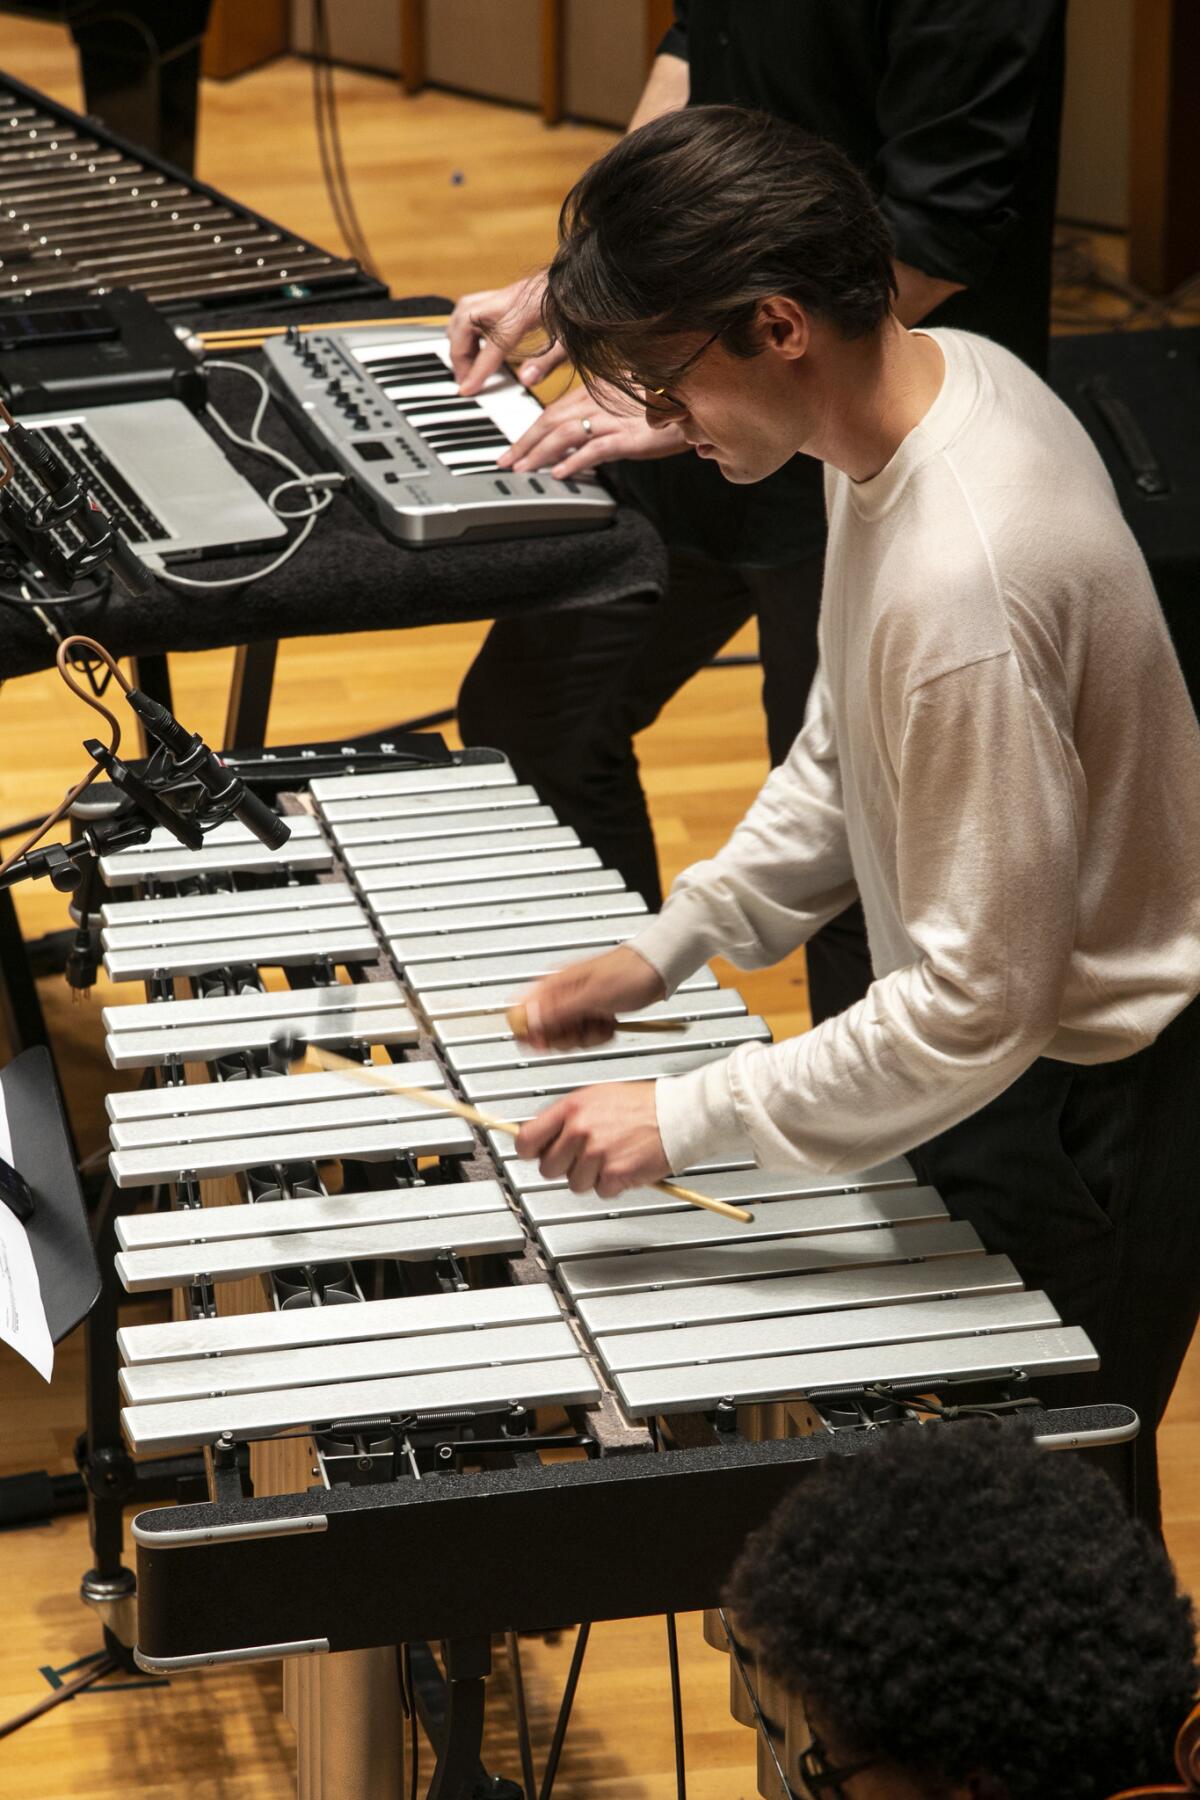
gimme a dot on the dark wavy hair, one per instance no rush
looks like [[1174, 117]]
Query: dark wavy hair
[[960, 1602], [687, 224]]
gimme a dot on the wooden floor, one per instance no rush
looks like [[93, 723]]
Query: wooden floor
[[453, 195]]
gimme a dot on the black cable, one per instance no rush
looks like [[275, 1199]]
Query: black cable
[[676, 1708], [564, 1711], [524, 1741]]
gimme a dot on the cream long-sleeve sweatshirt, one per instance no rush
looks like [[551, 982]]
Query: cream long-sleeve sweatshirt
[[999, 756]]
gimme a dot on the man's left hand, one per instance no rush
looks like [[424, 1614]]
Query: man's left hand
[[603, 1138]]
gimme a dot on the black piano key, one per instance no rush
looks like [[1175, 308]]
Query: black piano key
[[476, 443], [416, 409], [450, 434]]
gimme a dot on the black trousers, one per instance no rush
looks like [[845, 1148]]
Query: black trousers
[[1089, 1178], [564, 693]]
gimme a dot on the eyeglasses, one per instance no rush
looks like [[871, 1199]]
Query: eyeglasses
[[664, 393], [820, 1775]]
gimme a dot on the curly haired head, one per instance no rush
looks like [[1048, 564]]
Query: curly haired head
[[960, 1603]]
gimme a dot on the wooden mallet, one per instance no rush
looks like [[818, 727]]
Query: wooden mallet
[[289, 1048]]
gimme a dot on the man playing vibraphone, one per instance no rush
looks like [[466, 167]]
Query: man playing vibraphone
[[999, 757]]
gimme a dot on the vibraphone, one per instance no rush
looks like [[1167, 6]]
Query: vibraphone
[[396, 1314]]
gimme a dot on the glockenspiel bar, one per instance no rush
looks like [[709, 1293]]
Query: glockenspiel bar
[[359, 858], [174, 1425], [267, 949], [303, 828], [402, 877], [914, 1321], [447, 950], [366, 1106], [438, 828], [627, 1274], [235, 922], [483, 1028], [545, 1205], [1059, 1351], [341, 812], [188, 1101], [279, 1005], [494, 1232], [526, 1178], [827, 1292], [397, 904], [440, 1135], [289, 897], [544, 910], [124, 868], [442, 1004], [332, 788], [564, 1077], [414, 1315], [637, 1234], [697, 1034], [306, 1212], [490, 971], [332, 1030], [266, 1373]]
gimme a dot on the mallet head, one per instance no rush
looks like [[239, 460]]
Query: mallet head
[[287, 1047]]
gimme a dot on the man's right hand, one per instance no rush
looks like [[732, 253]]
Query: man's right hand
[[576, 1007], [514, 312]]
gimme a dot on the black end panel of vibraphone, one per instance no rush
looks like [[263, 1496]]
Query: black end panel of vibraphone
[[526, 1549]]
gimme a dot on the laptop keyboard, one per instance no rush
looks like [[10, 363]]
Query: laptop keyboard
[[105, 482]]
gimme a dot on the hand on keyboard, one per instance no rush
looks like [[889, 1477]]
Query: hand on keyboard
[[580, 431], [513, 313], [603, 1139], [576, 1007]]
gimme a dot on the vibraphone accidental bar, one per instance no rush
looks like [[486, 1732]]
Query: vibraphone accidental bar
[[686, 1350]]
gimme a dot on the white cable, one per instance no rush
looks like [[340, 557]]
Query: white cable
[[328, 480]]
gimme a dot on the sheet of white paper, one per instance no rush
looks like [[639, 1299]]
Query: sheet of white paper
[[22, 1313]]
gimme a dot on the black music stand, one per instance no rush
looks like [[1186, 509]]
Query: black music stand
[[43, 1153]]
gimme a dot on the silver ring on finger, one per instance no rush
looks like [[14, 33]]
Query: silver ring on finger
[[587, 427]]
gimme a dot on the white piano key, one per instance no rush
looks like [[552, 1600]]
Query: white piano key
[[398, 876], [264, 1374], [354, 943], [1060, 1351], [278, 1004], [432, 827], [307, 1212], [433, 902], [695, 1034], [338, 813], [359, 858], [441, 1135], [330, 789], [561, 1078], [709, 1004], [766, 1297], [405, 1240], [404, 926], [921, 1321], [784, 1256], [123, 868], [812, 1215], [468, 946], [235, 922], [174, 1425], [365, 1106], [557, 1205], [187, 1100], [226, 902], [441, 1005], [412, 1315]]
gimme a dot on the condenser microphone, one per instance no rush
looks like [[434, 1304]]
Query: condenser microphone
[[194, 760]]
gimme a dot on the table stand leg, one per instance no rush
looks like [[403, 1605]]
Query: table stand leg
[[250, 695]]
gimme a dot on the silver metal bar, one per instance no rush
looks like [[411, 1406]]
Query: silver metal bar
[[1060, 1351], [319, 896], [813, 1215], [692, 1034], [567, 1381], [709, 1004], [441, 1135], [526, 1178], [415, 1315], [280, 1005], [148, 1049], [489, 971], [212, 1659], [307, 1212], [126, 867], [458, 849], [330, 789], [466, 920], [559, 1206], [562, 1078], [862, 1285], [369, 1106], [436, 827], [442, 804], [230, 831], [501, 989], [405, 1240], [267, 1373], [234, 922], [354, 943], [395, 907], [412, 952], [918, 1321], [780, 1256], [191, 1102], [245, 1531], [401, 877]]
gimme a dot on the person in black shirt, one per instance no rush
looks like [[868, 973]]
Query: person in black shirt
[[952, 109]]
